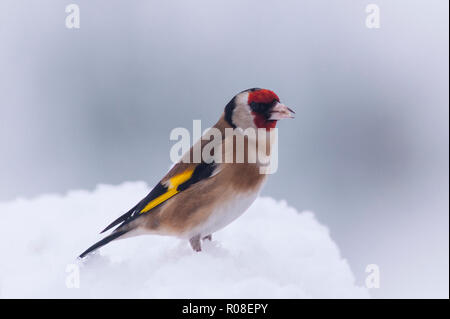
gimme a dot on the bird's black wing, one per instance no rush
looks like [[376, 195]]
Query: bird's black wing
[[164, 191], [159, 195]]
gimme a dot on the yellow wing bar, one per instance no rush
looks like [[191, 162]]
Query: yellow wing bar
[[174, 182]]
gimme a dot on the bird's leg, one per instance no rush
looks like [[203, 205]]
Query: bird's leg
[[195, 243], [209, 237]]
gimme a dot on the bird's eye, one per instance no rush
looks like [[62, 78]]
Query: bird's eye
[[262, 108]]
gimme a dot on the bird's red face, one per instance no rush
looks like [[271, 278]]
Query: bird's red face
[[257, 108]]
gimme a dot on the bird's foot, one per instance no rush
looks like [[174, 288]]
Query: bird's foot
[[208, 237], [195, 243]]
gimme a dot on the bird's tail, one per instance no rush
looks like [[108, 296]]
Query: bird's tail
[[104, 241]]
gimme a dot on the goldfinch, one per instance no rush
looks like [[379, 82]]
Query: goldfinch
[[197, 198]]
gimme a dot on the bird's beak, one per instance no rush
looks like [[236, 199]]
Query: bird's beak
[[281, 111]]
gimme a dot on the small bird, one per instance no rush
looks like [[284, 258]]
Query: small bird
[[197, 198]]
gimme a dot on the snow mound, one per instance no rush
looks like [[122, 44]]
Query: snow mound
[[272, 251]]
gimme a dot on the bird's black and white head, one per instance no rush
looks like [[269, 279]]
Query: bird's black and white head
[[256, 108]]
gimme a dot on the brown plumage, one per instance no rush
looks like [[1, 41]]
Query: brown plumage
[[193, 200]]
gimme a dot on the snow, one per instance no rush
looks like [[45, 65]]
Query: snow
[[272, 251]]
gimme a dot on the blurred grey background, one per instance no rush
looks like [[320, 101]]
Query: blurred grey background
[[368, 151]]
